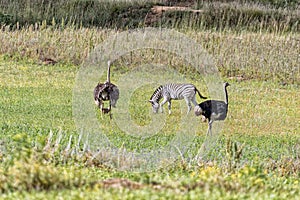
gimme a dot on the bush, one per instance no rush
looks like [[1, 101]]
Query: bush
[[31, 173]]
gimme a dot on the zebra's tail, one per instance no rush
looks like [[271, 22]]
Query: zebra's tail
[[203, 97]]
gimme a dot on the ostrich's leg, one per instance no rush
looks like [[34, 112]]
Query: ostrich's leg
[[101, 109], [110, 115], [209, 132]]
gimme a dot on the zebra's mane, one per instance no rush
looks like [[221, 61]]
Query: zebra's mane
[[157, 93]]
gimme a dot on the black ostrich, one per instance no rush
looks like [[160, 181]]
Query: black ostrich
[[213, 110], [106, 92]]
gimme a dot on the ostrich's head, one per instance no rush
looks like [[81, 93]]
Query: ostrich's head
[[198, 110], [226, 84], [155, 106]]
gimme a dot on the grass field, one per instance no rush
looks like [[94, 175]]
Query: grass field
[[256, 154]]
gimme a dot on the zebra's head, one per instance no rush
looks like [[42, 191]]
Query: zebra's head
[[155, 105], [154, 100]]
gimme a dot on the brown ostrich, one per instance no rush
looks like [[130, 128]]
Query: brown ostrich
[[106, 92]]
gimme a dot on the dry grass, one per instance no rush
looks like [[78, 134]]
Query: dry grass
[[247, 55]]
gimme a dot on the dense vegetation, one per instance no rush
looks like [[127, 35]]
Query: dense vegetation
[[255, 45], [252, 15]]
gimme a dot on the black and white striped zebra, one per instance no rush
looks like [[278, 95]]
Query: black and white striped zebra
[[174, 91]]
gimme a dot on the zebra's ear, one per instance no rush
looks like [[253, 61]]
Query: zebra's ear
[[151, 101]]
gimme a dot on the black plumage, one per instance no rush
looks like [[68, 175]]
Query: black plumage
[[213, 110]]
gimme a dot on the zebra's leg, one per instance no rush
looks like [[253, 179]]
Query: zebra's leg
[[169, 106], [190, 107], [194, 101], [162, 103], [188, 103]]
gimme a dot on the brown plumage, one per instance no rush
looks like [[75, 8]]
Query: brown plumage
[[106, 92]]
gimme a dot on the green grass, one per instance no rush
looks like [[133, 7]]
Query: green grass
[[256, 155], [37, 99], [30, 92]]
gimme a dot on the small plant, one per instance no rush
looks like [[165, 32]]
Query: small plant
[[233, 154]]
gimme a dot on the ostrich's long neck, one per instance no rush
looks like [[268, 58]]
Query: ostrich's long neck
[[108, 72], [226, 95]]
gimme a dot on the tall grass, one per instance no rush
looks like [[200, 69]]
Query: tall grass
[[234, 16], [88, 13], [261, 56], [220, 15]]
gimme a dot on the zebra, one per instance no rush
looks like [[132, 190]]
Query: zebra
[[174, 91]]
